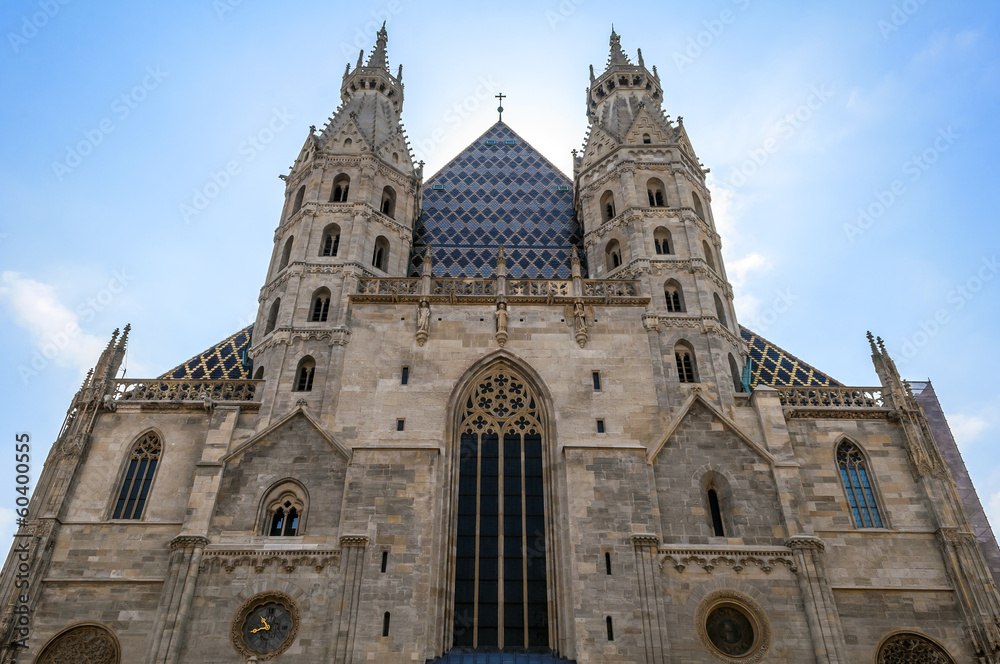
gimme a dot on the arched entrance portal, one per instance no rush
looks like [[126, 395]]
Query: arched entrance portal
[[500, 571]]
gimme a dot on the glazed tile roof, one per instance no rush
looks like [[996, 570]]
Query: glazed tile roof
[[777, 367], [499, 190], [223, 361], [772, 365]]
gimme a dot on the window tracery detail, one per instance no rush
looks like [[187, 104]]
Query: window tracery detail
[[857, 485], [87, 644], [501, 596], [138, 478], [911, 649]]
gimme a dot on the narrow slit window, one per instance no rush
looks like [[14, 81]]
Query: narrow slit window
[[385, 624], [607, 563], [713, 506], [385, 560], [405, 379], [400, 425], [600, 426], [611, 629], [597, 381]]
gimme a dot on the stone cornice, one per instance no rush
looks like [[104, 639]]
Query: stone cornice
[[737, 558], [259, 560]]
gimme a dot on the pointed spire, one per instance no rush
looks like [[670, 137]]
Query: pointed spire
[[361, 59], [378, 58], [618, 56], [641, 63]]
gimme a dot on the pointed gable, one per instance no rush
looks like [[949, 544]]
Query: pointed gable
[[499, 190]]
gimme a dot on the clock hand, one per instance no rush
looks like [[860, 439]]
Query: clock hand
[[261, 629]]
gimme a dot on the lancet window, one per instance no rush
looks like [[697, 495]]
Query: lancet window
[[138, 478], [858, 487], [500, 577]]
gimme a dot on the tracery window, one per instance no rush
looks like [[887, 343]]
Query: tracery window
[[321, 306], [661, 240], [304, 374], [857, 486], [341, 187], [684, 358], [86, 644], [388, 205], [331, 240], [672, 294], [911, 649], [283, 510], [138, 477], [500, 579]]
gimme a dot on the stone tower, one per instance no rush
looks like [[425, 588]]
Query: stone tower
[[351, 201], [646, 214]]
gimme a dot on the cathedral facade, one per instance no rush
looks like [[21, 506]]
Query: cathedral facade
[[498, 414]]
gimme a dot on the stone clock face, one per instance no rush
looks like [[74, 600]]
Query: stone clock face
[[267, 627]]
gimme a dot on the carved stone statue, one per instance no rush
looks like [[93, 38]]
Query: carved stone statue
[[577, 318], [423, 322], [501, 315]]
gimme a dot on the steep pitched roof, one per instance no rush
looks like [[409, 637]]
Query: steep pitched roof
[[223, 361], [499, 190]]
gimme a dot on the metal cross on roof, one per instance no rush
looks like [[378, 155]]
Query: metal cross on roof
[[501, 97]]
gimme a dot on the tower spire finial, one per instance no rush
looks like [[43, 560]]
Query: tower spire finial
[[378, 57], [618, 56]]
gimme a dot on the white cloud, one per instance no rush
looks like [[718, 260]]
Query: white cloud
[[967, 428], [54, 328], [993, 511]]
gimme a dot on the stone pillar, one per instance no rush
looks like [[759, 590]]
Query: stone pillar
[[821, 613], [654, 632], [175, 602]]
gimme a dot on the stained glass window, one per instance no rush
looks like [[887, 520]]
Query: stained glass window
[[500, 577], [857, 486], [138, 478]]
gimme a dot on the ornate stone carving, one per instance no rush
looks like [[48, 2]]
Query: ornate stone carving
[[188, 542], [261, 561], [805, 542], [501, 314], [86, 644], [423, 321], [911, 649], [733, 627], [735, 558], [354, 540]]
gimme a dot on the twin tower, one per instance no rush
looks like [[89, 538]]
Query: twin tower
[[636, 210]]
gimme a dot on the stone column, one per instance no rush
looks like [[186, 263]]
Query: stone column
[[654, 631], [352, 560], [175, 602], [821, 613]]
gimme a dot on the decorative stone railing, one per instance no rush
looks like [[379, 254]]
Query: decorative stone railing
[[850, 398], [502, 288], [193, 391]]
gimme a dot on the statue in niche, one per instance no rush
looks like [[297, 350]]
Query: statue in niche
[[423, 322], [577, 318], [501, 314]]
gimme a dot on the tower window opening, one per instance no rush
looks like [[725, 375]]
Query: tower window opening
[[600, 426], [299, 195], [608, 205], [341, 189], [655, 191], [331, 240], [713, 506], [272, 316], [385, 624], [597, 381], [611, 629], [709, 254], [674, 296], [305, 374], [662, 241], [388, 205], [385, 561], [405, 378], [720, 310], [321, 306], [607, 563], [380, 254], [647, 139], [286, 253], [613, 254], [400, 424], [698, 209], [684, 358]]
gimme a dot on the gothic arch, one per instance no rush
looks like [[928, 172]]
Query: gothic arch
[[904, 647], [284, 490], [125, 475], [876, 490], [87, 643], [497, 364]]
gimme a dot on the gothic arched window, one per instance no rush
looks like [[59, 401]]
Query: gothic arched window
[[709, 255], [674, 296], [737, 374], [286, 253], [304, 374], [299, 195], [500, 581], [613, 254], [388, 206], [84, 643], [698, 209], [380, 255], [720, 310], [655, 189], [341, 187], [320, 306], [910, 649], [661, 239], [272, 316], [283, 510], [857, 485], [684, 358], [138, 478], [608, 206], [331, 240]]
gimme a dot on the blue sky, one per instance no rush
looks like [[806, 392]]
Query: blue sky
[[852, 146]]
